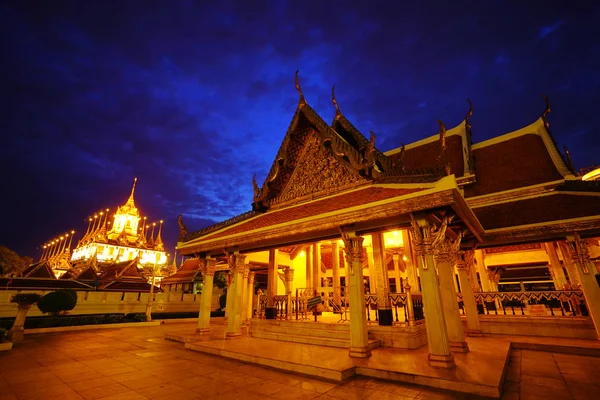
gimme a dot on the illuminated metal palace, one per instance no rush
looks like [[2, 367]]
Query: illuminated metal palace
[[125, 240]]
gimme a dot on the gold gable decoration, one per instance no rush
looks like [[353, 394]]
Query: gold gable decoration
[[317, 173]]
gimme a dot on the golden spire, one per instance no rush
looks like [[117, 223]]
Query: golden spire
[[158, 242], [71, 240], [338, 113], [298, 89], [130, 201], [174, 263]]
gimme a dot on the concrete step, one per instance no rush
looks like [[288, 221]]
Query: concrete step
[[302, 331], [317, 341], [302, 324]]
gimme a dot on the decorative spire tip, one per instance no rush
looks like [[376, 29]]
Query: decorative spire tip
[[335, 103], [298, 88]]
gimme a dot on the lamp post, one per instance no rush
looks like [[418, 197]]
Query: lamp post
[[149, 306]]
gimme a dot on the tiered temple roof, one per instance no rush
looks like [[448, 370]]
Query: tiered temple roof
[[325, 176]]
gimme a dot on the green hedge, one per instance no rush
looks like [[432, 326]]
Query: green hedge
[[96, 319]]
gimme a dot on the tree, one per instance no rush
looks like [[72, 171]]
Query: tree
[[219, 280], [60, 301], [12, 263]]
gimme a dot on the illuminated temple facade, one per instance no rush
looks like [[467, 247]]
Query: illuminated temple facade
[[421, 245], [127, 238]]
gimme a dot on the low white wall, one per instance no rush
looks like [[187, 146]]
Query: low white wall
[[89, 302], [564, 327]]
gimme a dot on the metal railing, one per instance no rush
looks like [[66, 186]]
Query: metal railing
[[563, 303]]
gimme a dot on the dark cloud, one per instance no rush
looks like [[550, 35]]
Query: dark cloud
[[194, 99]]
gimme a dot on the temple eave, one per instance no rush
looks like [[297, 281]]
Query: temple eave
[[367, 218]]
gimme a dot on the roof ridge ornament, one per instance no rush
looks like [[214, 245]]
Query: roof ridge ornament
[[547, 111], [302, 100], [569, 159], [338, 113], [442, 157], [470, 113]]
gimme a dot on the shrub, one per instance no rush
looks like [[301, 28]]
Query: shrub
[[60, 301], [2, 334], [223, 301], [26, 298]]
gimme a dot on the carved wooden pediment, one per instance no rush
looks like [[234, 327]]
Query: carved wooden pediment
[[317, 173]]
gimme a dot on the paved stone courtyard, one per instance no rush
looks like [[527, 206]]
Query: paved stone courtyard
[[137, 363]]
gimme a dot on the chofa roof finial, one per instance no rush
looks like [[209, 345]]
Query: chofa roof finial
[[298, 88], [335, 103], [547, 111]]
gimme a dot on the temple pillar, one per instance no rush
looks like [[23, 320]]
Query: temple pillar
[[397, 275], [271, 311], [228, 281], [359, 335], [579, 255], [555, 267], [288, 276], [463, 264], [207, 269], [335, 264], [372, 270], [486, 285], [309, 267], [316, 266], [444, 254], [234, 323], [411, 266], [424, 236], [250, 298], [244, 305], [382, 282], [572, 273]]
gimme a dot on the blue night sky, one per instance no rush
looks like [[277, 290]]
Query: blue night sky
[[194, 98]]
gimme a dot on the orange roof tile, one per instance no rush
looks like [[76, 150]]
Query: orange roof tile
[[335, 203]]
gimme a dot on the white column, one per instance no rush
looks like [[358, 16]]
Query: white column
[[244, 305], [316, 275], [410, 262], [424, 237], [250, 305], [234, 323], [486, 285], [207, 268], [443, 257], [382, 281], [309, 267], [555, 267], [359, 335], [463, 265], [586, 270], [272, 283], [397, 277], [288, 276], [335, 264]]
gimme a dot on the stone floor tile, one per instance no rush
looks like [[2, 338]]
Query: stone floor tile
[[295, 393], [510, 396], [91, 383], [44, 393], [512, 387], [558, 383], [140, 383], [537, 355], [103, 391], [350, 392], [128, 376], [192, 382], [162, 389], [74, 376], [130, 395], [213, 390], [8, 397], [379, 395], [433, 395], [317, 385]]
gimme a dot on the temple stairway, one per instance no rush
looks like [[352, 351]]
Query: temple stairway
[[307, 332]]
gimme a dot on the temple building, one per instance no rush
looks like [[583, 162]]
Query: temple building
[[423, 245], [106, 244]]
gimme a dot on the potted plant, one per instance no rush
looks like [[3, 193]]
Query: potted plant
[[24, 302]]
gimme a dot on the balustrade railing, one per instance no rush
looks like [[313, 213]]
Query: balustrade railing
[[262, 306], [399, 300], [563, 303]]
